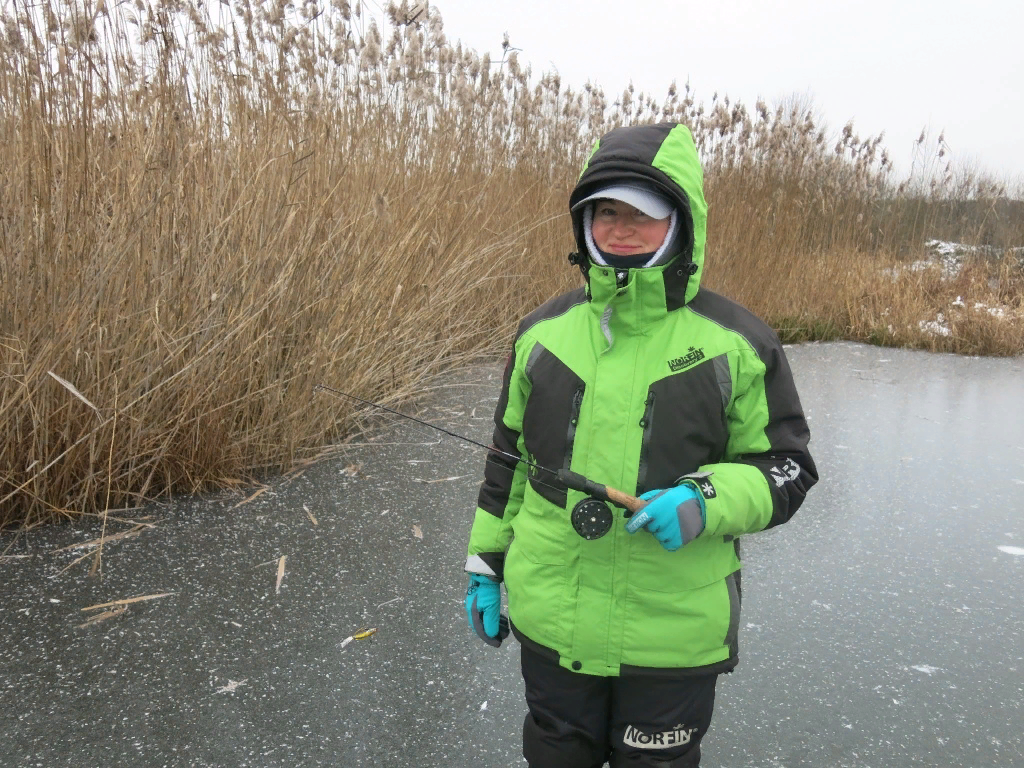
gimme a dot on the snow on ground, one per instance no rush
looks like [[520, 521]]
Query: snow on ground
[[936, 327], [943, 247], [950, 257], [958, 309]]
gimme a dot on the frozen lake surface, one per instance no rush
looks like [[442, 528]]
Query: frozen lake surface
[[882, 627]]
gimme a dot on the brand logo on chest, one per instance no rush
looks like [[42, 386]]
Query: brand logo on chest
[[691, 357]]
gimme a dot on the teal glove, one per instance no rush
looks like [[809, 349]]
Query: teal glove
[[675, 516], [483, 609]]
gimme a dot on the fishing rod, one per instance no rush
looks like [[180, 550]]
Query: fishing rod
[[569, 479]]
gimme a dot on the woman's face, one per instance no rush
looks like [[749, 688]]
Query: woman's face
[[623, 230]]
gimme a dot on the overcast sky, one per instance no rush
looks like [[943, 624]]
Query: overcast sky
[[890, 65]]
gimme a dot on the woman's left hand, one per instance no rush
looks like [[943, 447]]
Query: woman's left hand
[[675, 516]]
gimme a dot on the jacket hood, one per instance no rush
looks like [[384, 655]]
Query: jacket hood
[[665, 156]]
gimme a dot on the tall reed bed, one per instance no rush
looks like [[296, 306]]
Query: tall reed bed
[[207, 210]]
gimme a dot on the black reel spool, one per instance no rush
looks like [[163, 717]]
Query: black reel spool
[[592, 518]]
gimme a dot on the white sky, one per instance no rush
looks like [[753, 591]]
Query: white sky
[[892, 65]]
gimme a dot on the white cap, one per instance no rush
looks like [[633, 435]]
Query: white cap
[[651, 203]]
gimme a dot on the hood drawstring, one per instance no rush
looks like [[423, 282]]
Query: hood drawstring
[[577, 259]]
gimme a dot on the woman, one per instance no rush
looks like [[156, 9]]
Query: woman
[[644, 381]]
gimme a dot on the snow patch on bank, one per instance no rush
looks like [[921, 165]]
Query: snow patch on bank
[[950, 258], [936, 327]]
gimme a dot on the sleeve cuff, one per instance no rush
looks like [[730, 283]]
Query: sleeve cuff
[[490, 564]]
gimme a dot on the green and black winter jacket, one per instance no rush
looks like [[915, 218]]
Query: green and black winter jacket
[[640, 380]]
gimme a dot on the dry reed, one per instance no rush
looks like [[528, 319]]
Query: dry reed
[[206, 210]]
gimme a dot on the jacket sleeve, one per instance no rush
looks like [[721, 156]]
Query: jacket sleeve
[[767, 469], [504, 484]]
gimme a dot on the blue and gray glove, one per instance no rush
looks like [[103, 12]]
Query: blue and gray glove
[[675, 516], [483, 609]]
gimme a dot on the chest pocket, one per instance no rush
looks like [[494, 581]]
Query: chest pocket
[[550, 419], [684, 423]]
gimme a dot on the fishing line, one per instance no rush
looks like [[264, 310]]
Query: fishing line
[[489, 448]]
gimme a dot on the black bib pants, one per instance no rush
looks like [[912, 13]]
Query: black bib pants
[[631, 721]]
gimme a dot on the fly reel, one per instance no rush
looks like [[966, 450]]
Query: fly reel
[[592, 519]]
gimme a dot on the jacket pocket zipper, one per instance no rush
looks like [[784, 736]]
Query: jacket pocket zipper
[[645, 444], [574, 420]]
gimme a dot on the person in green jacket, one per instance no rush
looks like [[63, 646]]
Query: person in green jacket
[[644, 381]]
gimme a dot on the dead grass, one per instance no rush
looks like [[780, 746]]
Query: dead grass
[[206, 211]]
